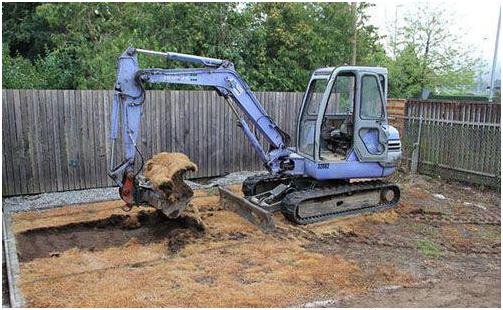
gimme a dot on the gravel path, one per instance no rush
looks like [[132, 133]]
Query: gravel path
[[56, 199]]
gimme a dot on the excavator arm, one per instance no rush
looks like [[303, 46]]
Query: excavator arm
[[218, 74]]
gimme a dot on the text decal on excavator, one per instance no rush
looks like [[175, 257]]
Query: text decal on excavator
[[323, 166]]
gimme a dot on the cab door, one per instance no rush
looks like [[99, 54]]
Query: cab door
[[370, 139], [308, 116]]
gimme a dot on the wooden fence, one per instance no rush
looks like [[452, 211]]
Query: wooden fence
[[458, 140], [57, 140]]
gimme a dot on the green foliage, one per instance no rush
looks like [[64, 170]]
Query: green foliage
[[18, 72], [274, 46], [23, 30], [404, 76]]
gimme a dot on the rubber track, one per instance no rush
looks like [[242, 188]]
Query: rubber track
[[291, 202]]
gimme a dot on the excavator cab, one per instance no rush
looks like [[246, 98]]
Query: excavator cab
[[343, 119]]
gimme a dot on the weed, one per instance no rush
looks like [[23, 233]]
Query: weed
[[429, 249]]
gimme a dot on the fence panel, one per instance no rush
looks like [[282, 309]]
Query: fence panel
[[459, 140], [56, 140]]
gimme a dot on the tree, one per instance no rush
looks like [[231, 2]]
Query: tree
[[25, 33], [439, 59], [404, 80], [289, 40]]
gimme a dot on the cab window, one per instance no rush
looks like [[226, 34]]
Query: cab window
[[314, 96], [371, 106], [341, 97]]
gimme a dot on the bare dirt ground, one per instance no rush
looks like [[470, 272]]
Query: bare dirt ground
[[429, 251]]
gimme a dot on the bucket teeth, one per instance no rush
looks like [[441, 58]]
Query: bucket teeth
[[251, 212]]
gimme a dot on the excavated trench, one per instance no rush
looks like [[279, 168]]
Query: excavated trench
[[116, 230]]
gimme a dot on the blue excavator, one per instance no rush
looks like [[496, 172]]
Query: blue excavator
[[334, 167]]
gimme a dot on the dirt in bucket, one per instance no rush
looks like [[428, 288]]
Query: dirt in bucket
[[166, 170]]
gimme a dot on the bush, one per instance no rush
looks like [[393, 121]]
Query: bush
[[19, 72]]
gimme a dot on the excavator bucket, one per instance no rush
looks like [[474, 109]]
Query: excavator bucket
[[251, 212], [165, 172]]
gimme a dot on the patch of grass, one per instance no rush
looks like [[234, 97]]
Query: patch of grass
[[429, 249]]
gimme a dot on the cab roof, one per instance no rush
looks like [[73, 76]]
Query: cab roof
[[330, 70]]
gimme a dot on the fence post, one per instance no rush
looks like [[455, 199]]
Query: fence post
[[415, 152]]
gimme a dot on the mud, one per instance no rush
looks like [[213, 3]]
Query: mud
[[166, 170], [117, 230]]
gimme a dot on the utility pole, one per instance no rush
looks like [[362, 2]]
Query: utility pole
[[495, 58], [353, 38], [396, 27]]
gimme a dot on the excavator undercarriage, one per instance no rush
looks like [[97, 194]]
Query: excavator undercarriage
[[304, 200]]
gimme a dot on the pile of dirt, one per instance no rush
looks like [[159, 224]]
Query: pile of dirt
[[166, 171]]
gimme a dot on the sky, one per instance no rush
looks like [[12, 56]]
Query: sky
[[477, 19]]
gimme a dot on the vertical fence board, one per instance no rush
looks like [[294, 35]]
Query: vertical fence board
[[37, 140], [43, 123], [107, 107], [203, 133], [220, 134], [93, 116], [88, 150], [69, 135], [177, 121], [211, 134], [170, 108], [55, 136], [7, 168], [102, 136], [61, 131], [18, 165], [30, 138]]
